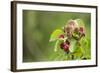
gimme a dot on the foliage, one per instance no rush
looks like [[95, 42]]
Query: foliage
[[71, 43]]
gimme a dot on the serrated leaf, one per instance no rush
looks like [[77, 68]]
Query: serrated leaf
[[85, 48], [73, 45], [56, 46], [54, 36], [80, 22], [77, 53], [84, 42], [75, 35]]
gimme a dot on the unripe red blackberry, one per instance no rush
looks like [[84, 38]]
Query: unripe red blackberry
[[61, 36], [64, 46], [81, 31]]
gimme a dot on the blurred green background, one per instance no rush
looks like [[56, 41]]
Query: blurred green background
[[37, 28]]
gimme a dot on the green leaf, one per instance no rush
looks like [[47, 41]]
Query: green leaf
[[54, 36], [77, 53], [85, 48], [72, 47], [80, 22], [84, 42], [75, 35], [56, 45]]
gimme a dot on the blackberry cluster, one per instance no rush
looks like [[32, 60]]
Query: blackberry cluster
[[71, 31]]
